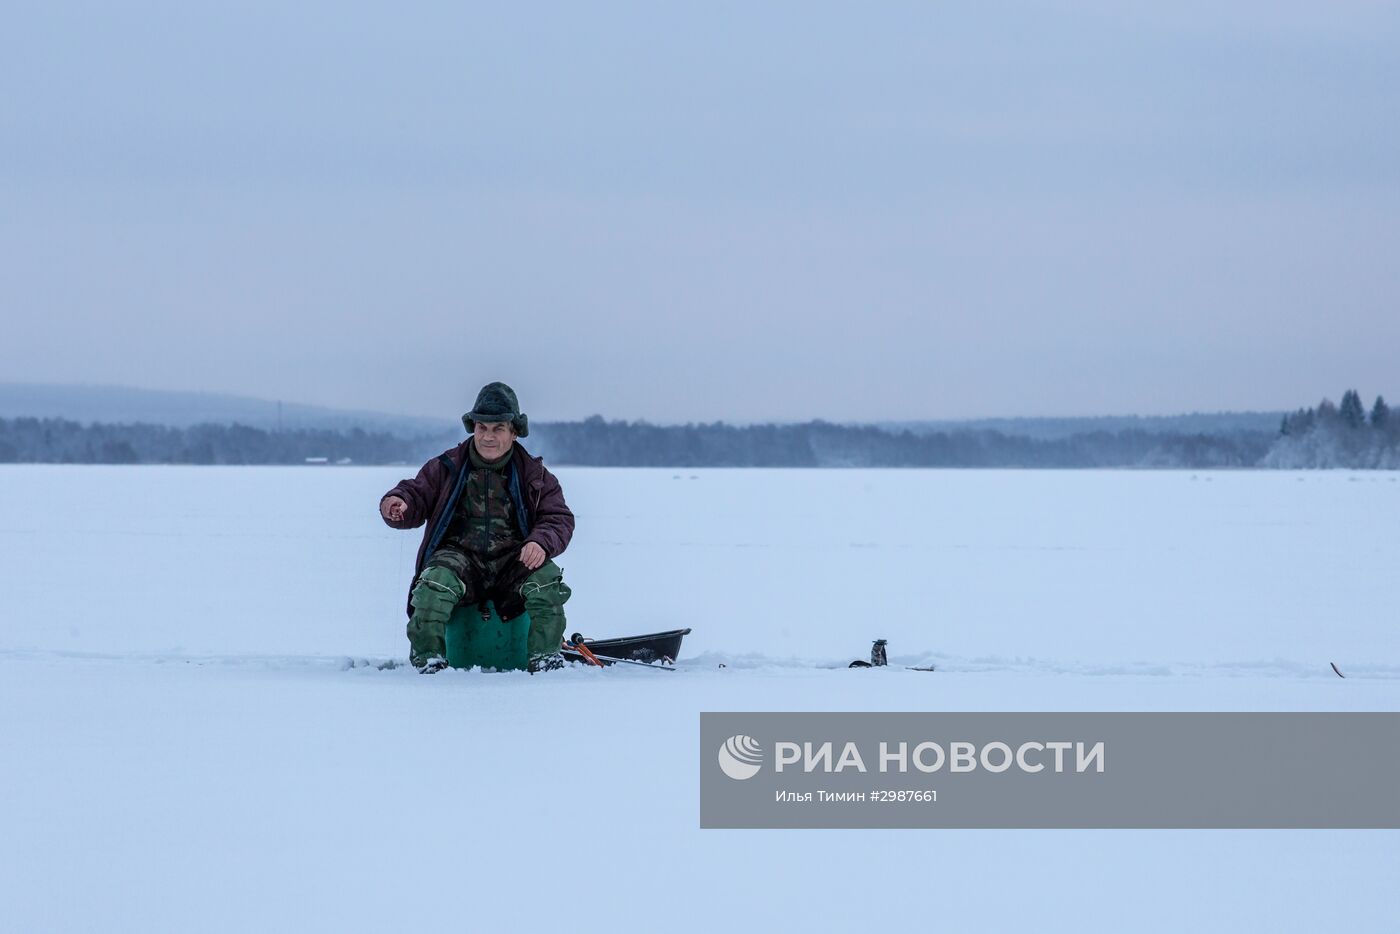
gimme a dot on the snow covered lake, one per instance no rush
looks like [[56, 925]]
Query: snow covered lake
[[185, 745]]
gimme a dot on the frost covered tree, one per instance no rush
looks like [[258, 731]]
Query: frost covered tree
[[1380, 413], [1352, 411], [1300, 422], [1327, 413]]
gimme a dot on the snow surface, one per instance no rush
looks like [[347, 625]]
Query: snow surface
[[191, 737]]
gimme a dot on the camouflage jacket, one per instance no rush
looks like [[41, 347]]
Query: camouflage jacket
[[541, 513], [486, 519]]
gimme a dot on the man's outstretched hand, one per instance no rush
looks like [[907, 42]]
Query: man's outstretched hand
[[393, 508], [532, 555]]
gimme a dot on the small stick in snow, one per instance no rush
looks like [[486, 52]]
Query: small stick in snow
[[1336, 669]]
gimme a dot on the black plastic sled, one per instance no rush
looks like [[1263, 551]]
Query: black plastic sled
[[658, 647]]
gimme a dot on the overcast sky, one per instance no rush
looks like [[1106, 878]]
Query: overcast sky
[[740, 211]]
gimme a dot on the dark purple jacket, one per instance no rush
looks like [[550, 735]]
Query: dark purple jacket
[[432, 496]]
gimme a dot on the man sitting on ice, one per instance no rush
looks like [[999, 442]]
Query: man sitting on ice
[[495, 517]]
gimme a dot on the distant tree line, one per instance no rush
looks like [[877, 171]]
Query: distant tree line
[[59, 441], [602, 443], [598, 442], [1331, 435]]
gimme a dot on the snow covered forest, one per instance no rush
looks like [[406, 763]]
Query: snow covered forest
[[1338, 436], [1329, 435]]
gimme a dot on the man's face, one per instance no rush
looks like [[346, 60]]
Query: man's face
[[493, 439]]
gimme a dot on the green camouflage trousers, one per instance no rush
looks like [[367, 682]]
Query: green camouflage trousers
[[542, 594], [545, 594]]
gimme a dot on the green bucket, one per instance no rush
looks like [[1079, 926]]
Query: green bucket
[[473, 642]]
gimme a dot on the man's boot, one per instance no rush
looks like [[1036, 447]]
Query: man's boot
[[540, 663], [436, 594], [545, 594]]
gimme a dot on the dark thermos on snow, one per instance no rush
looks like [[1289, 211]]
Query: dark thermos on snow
[[877, 654]]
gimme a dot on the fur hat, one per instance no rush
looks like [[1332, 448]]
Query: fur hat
[[497, 403]]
